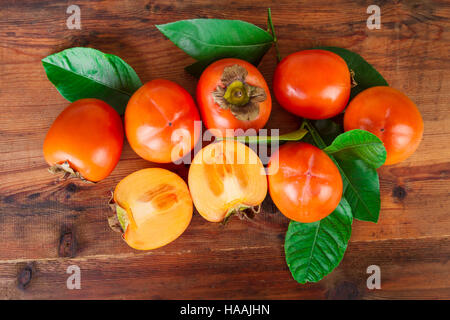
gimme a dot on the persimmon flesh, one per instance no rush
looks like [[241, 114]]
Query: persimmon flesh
[[153, 206], [226, 178]]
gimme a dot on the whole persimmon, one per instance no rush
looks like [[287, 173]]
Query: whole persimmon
[[85, 140], [391, 116], [160, 121], [232, 94], [313, 84], [226, 178], [153, 208], [304, 182]]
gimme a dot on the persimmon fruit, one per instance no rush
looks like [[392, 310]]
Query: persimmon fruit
[[153, 207], [304, 182], [232, 94], [160, 121], [85, 140], [391, 116], [313, 84], [226, 178]]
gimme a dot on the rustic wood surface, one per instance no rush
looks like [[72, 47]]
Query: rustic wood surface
[[47, 224]]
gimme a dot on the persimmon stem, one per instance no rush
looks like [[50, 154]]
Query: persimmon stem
[[296, 135], [233, 211], [272, 30], [236, 94]]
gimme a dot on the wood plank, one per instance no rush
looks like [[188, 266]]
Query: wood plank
[[42, 215], [410, 269]]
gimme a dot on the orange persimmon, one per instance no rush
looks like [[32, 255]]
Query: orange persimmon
[[153, 207], [313, 84], [225, 178], [232, 94], [306, 185], [85, 140], [160, 121]]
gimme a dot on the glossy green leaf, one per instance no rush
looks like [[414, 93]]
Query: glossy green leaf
[[79, 73], [361, 189], [366, 75], [315, 249], [358, 144], [328, 129], [207, 40], [198, 67]]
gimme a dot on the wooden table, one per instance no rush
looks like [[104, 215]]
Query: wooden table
[[48, 224]]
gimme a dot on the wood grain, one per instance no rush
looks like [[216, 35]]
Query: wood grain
[[39, 213]]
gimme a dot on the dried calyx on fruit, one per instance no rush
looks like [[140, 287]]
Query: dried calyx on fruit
[[85, 141], [238, 96], [67, 171], [118, 221]]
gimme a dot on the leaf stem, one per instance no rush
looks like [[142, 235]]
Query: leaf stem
[[315, 134], [272, 30]]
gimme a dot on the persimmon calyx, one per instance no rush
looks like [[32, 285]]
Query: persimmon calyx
[[119, 220], [243, 212], [238, 96], [352, 79], [67, 170]]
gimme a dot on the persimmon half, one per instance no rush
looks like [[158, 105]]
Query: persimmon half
[[153, 208], [85, 140], [304, 182], [391, 116], [226, 178], [160, 121], [232, 94]]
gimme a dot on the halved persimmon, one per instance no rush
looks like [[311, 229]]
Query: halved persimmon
[[153, 208], [225, 178]]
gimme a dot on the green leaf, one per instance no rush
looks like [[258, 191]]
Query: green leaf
[[361, 189], [315, 249], [208, 40], [328, 129], [79, 73], [197, 68], [358, 144], [365, 76]]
